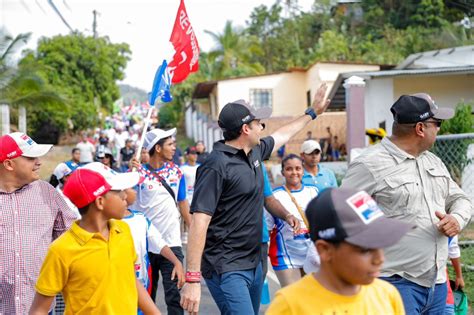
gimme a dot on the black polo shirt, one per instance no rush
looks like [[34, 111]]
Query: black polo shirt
[[229, 187]]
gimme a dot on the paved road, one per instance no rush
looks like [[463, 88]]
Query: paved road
[[208, 307]]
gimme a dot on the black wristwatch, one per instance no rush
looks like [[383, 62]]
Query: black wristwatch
[[310, 111]]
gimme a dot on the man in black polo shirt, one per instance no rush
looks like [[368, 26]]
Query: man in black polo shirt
[[227, 209]]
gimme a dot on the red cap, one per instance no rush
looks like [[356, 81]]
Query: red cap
[[18, 144], [93, 180]]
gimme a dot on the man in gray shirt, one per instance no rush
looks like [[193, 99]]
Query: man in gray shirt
[[413, 185]]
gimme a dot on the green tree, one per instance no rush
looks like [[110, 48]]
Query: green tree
[[233, 53], [84, 69], [454, 153], [22, 84]]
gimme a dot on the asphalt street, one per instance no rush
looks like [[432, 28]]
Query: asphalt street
[[208, 307]]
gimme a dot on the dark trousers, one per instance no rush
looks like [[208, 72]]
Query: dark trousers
[[160, 264]]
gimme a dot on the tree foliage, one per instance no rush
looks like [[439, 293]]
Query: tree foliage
[[454, 153], [84, 70], [279, 37]]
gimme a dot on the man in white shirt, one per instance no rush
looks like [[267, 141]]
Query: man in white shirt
[[87, 150]]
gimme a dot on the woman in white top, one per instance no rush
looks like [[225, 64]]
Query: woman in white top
[[288, 248]]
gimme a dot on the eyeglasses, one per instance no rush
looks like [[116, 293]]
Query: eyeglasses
[[436, 122]]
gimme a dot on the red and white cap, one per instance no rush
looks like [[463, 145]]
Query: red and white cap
[[95, 179], [18, 144]]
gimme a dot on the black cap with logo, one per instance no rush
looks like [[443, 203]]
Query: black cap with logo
[[419, 107], [238, 113]]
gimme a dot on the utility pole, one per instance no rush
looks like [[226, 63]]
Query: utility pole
[[94, 23]]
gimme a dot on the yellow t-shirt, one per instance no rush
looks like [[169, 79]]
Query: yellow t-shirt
[[308, 296], [95, 276]]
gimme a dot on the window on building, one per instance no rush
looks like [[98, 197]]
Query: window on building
[[308, 98], [261, 98]]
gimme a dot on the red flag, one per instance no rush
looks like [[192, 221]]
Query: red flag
[[185, 59]]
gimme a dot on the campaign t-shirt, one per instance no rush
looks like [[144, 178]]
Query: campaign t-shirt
[[287, 249], [189, 172], [146, 238], [159, 207]]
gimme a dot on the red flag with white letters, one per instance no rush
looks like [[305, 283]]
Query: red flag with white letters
[[186, 57]]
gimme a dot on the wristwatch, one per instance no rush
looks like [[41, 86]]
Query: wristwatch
[[310, 111]]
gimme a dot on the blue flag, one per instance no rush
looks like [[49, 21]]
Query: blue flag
[[161, 85]]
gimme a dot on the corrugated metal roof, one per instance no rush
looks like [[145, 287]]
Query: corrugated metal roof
[[448, 57]]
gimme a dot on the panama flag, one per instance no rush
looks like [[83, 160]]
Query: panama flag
[[186, 57]]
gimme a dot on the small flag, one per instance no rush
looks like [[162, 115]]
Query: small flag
[[186, 57], [161, 85]]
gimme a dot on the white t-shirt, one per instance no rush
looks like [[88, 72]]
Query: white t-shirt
[[87, 151], [288, 250], [160, 208], [146, 238], [453, 248], [189, 172]]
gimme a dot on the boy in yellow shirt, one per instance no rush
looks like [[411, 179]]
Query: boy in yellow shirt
[[92, 264], [349, 231]]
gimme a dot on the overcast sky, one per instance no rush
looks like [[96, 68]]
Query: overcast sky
[[144, 24]]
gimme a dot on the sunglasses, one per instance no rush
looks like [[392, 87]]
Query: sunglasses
[[436, 122]]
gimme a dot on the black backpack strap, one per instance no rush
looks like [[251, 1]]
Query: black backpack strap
[[167, 187], [163, 182]]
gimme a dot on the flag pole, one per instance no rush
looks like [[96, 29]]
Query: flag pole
[[142, 138], [160, 89]]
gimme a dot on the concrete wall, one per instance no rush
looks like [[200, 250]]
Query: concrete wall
[[379, 97], [335, 120], [446, 90], [328, 73], [381, 93], [288, 94]]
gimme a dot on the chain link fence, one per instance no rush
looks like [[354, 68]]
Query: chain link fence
[[457, 153]]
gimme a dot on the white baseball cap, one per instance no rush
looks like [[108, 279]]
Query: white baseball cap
[[155, 135], [309, 146], [18, 144], [64, 169]]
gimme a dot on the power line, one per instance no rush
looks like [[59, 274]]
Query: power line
[[59, 14]]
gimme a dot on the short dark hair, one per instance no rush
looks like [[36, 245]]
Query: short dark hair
[[53, 181], [401, 130], [290, 157], [230, 135], [84, 209], [74, 150], [160, 142]]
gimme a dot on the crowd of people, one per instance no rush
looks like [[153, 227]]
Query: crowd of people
[[110, 223]]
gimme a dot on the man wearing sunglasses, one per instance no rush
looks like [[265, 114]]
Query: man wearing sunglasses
[[413, 185]]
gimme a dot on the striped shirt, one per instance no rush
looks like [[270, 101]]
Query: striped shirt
[[30, 219]]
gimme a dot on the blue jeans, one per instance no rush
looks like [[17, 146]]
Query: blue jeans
[[237, 292], [418, 299]]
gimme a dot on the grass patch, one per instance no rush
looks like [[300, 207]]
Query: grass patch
[[467, 259]]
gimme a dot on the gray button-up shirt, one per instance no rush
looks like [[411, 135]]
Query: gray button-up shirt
[[411, 189]]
